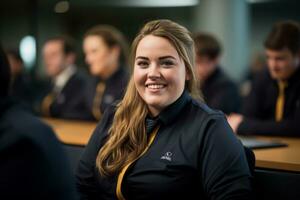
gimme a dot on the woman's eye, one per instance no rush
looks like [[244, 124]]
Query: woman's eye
[[142, 64], [167, 63]]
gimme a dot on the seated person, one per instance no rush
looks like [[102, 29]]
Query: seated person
[[22, 87], [257, 65], [32, 161], [67, 83], [105, 51], [272, 107], [218, 90], [161, 141]]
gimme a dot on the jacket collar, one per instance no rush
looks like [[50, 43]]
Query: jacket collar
[[295, 77], [168, 115]]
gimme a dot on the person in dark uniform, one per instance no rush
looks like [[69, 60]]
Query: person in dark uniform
[[32, 162], [161, 141], [218, 90], [63, 99], [22, 86], [273, 105], [105, 51]]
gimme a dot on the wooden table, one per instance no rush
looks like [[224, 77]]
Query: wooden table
[[282, 158], [72, 132]]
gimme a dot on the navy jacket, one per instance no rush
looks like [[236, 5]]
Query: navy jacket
[[195, 155], [221, 93], [67, 104], [114, 90]]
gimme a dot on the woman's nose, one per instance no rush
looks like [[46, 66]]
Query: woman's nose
[[154, 71]]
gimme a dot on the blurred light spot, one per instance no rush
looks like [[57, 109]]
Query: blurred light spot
[[28, 51], [62, 7], [261, 1], [155, 3]]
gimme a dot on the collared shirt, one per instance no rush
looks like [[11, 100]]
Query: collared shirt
[[68, 92], [194, 155], [62, 78]]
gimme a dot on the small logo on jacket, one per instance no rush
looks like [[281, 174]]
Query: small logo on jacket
[[167, 156]]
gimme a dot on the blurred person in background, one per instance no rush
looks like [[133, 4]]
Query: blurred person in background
[[22, 87], [64, 93], [273, 105], [218, 90], [257, 65], [33, 164], [105, 50]]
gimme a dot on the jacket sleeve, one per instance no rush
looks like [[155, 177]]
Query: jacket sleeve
[[86, 178], [223, 164], [288, 127]]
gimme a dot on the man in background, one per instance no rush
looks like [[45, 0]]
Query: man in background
[[67, 83], [273, 105], [218, 90]]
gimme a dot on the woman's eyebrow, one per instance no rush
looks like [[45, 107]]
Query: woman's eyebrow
[[160, 58], [165, 57], [141, 57]]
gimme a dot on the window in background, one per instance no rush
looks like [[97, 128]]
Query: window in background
[[28, 51]]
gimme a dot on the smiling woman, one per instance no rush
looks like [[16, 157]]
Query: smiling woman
[[159, 73], [161, 141]]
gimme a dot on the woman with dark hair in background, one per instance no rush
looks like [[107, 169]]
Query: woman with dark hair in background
[[105, 51], [161, 141]]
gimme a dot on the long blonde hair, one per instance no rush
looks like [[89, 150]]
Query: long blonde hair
[[127, 135]]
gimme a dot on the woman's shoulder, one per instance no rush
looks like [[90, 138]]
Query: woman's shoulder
[[210, 123], [108, 115], [196, 115], [201, 109], [104, 124], [100, 133]]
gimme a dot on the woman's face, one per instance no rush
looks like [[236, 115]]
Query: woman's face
[[159, 73], [98, 55]]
